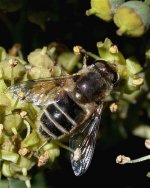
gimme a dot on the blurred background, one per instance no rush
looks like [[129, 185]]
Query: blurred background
[[34, 24]]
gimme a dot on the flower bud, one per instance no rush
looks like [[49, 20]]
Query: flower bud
[[133, 84], [6, 169], [133, 66], [23, 162], [3, 86], [121, 159], [132, 18], [109, 52], [52, 150], [18, 70], [12, 121], [56, 71], [4, 100], [38, 72], [39, 58], [31, 140], [2, 53], [69, 61], [104, 9]]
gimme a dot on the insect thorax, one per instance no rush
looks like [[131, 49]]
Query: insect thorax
[[92, 86]]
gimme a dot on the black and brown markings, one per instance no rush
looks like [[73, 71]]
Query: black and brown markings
[[72, 105]]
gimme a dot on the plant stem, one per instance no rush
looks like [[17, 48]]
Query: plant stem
[[90, 54], [138, 160], [121, 159]]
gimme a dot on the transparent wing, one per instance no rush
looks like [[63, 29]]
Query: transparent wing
[[83, 144], [40, 92]]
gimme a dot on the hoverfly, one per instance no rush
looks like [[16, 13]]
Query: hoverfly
[[72, 105]]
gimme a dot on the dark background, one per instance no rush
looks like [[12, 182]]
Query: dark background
[[103, 171], [68, 24]]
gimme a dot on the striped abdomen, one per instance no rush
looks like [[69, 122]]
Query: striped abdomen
[[59, 118]]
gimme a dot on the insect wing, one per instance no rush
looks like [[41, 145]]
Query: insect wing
[[83, 144], [38, 92]]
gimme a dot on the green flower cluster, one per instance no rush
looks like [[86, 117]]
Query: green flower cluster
[[21, 145], [127, 69]]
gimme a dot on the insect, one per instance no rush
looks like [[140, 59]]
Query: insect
[[72, 105]]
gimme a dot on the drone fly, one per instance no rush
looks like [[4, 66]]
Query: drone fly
[[72, 105]]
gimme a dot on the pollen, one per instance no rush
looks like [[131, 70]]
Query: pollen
[[23, 114], [23, 151], [77, 50], [113, 49], [113, 107], [43, 159], [138, 82], [13, 62]]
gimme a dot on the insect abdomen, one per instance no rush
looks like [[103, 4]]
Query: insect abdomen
[[59, 118]]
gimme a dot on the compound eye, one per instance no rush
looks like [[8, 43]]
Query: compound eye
[[115, 78], [108, 70]]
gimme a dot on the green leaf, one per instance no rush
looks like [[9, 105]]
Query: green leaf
[[31, 140]]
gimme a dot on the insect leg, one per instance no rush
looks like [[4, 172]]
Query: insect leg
[[36, 154]]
